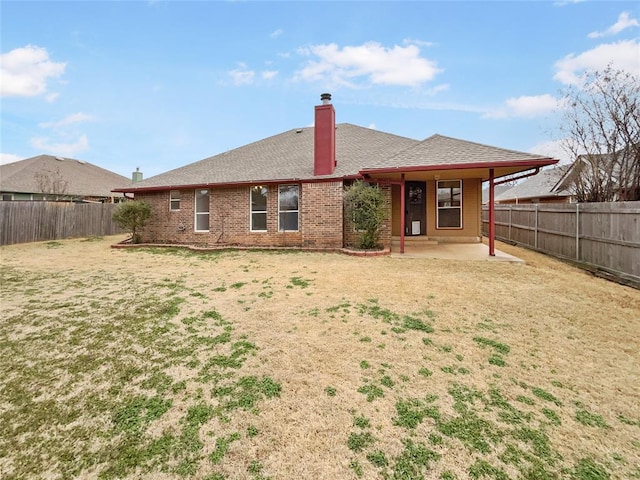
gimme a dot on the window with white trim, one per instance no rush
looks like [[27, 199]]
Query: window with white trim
[[202, 211], [288, 204], [449, 199], [174, 200], [259, 208]]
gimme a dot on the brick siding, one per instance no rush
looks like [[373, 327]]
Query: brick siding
[[320, 218]]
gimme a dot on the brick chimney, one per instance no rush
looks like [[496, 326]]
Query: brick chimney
[[324, 149]]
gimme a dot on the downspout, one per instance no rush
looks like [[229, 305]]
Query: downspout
[[492, 220], [402, 215], [530, 174]]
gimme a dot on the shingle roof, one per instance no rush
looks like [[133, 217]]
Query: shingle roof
[[289, 156], [441, 150], [76, 177], [286, 156], [537, 186]]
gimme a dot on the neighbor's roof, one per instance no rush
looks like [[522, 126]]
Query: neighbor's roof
[[290, 156], [76, 176], [538, 186]]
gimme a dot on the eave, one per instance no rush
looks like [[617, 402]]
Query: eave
[[475, 169]]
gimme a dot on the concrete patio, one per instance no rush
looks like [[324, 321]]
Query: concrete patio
[[422, 248]]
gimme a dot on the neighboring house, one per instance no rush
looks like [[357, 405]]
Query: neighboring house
[[605, 177], [541, 188], [47, 177], [497, 191], [287, 190]]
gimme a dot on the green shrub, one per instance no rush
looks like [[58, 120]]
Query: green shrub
[[366, 207], [132, 216]]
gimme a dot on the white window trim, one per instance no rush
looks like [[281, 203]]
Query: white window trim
[[289, 211], [171, 200], [438, 208], [196, 213], [251, 211]]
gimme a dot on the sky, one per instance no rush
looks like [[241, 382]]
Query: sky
[[157, 85]]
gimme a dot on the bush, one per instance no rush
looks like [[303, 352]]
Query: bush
[[366, 207], [132, 216]]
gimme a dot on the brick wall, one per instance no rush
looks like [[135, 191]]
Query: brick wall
[[320, 218], [321, 214]]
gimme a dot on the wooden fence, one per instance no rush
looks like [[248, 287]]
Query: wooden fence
[[26, 221], [601, 235]]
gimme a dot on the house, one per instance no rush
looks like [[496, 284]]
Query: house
[[287, 190], [541, 188], [605, 177], [47, 177], [497, 191]]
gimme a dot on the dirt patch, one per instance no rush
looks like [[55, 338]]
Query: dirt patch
[[146, 363]]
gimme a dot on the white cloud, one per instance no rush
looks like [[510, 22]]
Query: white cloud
[[269, 74], [242, 75], [552, 149], [379, 65], [68, 120], [563, 3], [526, 106], [420, 43], [622, 55], [276, 33], [624, 22], [26, 70], [9, 158], [43, 144]]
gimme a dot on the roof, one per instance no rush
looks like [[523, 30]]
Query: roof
[[289, 156], [497, 190], [73, 177], [439, 151], [538, 186]]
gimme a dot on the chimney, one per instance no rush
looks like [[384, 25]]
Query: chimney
[[136, 176], [324, 149]]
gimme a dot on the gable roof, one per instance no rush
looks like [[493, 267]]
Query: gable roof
[[289, 156], [544, 184], [75, 177]]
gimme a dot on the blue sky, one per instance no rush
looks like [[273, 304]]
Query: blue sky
[[161, 84]]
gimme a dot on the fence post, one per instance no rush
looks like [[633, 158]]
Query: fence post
[[535, 228], [510, 221], [577, 231]]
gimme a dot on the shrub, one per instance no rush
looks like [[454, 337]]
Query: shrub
[[132, 216], [365, 204]]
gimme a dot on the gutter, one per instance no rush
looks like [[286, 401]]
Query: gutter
[[232, 184], [465, 166]]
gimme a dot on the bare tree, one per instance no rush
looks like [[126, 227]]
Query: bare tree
[[601, 130], [51, 182]]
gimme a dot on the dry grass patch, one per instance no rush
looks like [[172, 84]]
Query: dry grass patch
[[162, 363]]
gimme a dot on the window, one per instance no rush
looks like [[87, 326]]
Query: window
[[202, 211], [259, 208], [174, 200], [288, 198], [7, 197], [449, 204]]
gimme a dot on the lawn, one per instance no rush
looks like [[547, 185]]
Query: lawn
[[162, 363]]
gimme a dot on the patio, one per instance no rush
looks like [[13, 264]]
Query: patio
[[421, 248]]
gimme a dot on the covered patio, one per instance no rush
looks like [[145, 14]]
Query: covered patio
[[416, 247]]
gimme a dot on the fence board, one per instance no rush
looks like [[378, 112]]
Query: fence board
[[29, 221], [604, 235]]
